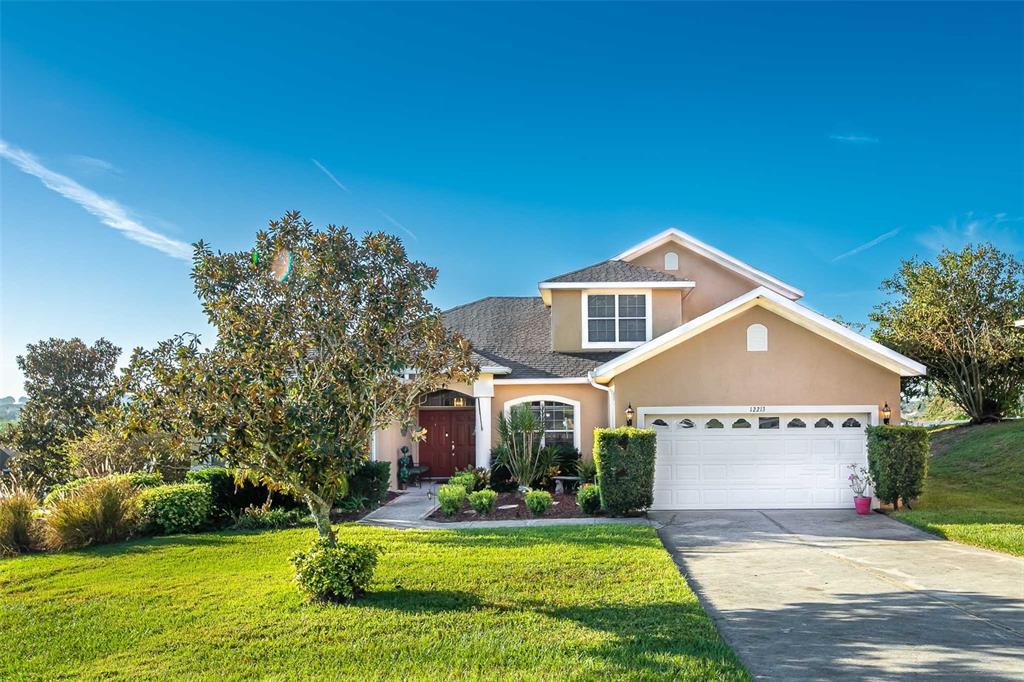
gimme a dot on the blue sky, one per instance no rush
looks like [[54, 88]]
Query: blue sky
[[504, 143]]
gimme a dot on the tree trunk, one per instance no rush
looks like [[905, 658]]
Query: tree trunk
[[321, 512]]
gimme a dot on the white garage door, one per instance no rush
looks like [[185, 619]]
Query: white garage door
[[756, 461]]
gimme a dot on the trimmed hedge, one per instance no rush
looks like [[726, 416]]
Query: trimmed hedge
[[483, 501], [898, 461], [230, 498], [625, 468], [465, 479], [371, 481], [178, 508]]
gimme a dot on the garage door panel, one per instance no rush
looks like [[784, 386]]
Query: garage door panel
[[754, 468]]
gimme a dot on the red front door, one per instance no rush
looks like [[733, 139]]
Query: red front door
[[450, 442]]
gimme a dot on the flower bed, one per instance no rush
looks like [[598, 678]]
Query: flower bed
[[564, 507]]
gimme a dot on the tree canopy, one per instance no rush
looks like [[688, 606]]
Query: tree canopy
[[68, 383], [956, 315], [322, 338]]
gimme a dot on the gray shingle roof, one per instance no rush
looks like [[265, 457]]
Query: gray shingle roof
[[614, 271], [515, 331]]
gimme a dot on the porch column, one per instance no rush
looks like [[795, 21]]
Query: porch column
[[483, 392]]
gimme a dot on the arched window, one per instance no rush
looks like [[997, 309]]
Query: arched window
[[659, 422], [851, 423], [823, 424], [714, 424], [671, 261], [686, 423], [558, 417], [796, 423], [741, 423], [757, 338]]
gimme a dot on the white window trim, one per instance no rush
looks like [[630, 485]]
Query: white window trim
[[671, 261], [576, 411], [648, 299]]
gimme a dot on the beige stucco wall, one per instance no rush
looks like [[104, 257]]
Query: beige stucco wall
[[799, 368], [593, 406], [566, 321], [388, 443], [715, 285], [567, 316]]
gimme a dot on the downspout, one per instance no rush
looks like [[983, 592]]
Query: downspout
[[610, 390]]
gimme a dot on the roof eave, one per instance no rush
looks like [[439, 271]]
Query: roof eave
[[547, 287]]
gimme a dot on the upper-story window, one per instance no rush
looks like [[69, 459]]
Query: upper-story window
[[671, 260], [616, 320]]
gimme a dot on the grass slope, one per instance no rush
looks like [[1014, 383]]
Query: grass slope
[[546, 603], [974, 492]]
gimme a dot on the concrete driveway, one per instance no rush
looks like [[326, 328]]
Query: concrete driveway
[[827, 595]]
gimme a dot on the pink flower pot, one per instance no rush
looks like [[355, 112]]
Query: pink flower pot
[[863, 505]]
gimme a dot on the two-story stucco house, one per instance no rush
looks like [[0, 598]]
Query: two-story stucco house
[[757, 400]]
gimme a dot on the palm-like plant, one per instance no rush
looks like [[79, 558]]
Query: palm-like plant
[[520, 433]]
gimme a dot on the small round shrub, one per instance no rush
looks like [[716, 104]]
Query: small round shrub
[[465, 479], [338, 573], [538, 501], [589, 499], [483, 501], [271, 518], [178, 508], [451, 498], [97, 511]]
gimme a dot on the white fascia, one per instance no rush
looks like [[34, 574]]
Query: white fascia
[[547, 287], [781, 306], [711, 253]]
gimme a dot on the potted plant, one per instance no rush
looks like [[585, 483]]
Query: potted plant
[[860, 481]]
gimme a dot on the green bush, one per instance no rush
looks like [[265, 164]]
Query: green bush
[[140, 479], [17, 527], [483, 501], [230, 497], [334, 574], [371, 481], [500, 476], [481, 477], [178, 508], [270, 518], [898, 461], [588, 497], [625, 468], [451, 498], [465, 479], [98, 511], [586, 470], [538, 501]]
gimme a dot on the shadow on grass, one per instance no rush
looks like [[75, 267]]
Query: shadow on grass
[[664, 640], [937, 635], [419, 601], [593, 536]]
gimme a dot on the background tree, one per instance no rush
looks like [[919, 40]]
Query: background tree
[[315, 330], [956, 316], [67, 383]]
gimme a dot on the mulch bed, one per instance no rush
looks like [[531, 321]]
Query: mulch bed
[[564, 507], [338, 516]]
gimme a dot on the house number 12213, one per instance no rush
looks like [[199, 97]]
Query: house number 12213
[[757, 408]]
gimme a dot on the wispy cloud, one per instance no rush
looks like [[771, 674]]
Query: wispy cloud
[[329, 174], [1000, 229], [110, 212], [855, 139], [867, 245], [92, 164], [398, 224]]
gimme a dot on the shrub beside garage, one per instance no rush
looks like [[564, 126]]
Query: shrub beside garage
[[898, 461], [625, 468]]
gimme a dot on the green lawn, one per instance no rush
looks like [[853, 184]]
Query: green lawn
[[559, 603], [974, 492]]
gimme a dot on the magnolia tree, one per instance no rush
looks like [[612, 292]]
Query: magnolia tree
[[957, 315], [322, 338]]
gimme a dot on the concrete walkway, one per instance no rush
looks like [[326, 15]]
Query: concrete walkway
[[410, 509], [829, 595]]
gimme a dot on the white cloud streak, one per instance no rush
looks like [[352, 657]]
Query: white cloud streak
[[329, 174], [855, 139], [91, 163], [398, 224], [110, 212], [867, 245], [1003, 231]]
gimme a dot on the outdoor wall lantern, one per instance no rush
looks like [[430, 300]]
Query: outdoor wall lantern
[[629, 414], [886, 413]]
